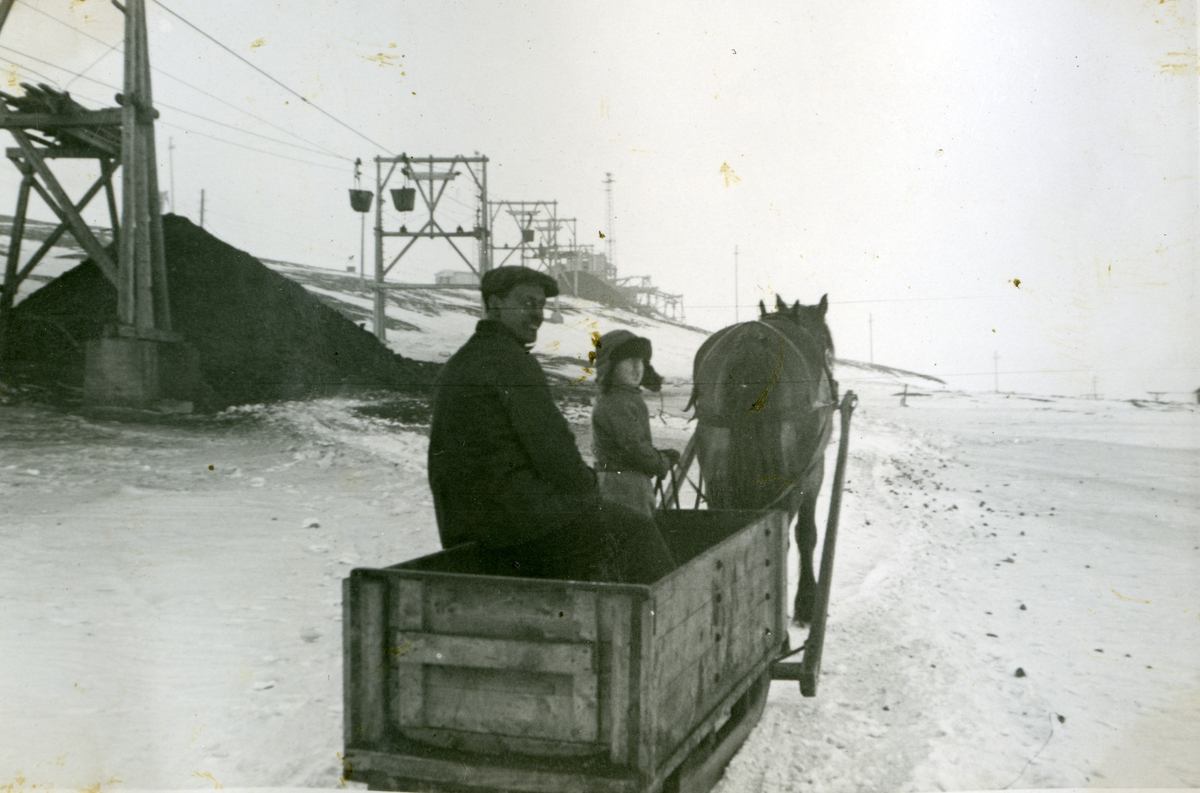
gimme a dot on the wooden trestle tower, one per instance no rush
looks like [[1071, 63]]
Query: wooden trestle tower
[[138, 360]]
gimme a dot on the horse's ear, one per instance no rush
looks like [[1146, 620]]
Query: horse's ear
[[796, 310], [824, 304], [779, 304], [762, 308]]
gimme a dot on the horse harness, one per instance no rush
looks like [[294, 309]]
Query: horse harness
[[833, 384]]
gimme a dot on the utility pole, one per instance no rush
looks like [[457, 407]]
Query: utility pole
[[482, 222], [871, 336], [171, 159], [362, 245], [379, 312], [201, 207], [996, 371], [608, 183], [139, 359], [736, 316], [429, 185]]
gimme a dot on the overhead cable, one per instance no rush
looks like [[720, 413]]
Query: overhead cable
[[177, 109], [255, 148], [195, 132], [290, 90], [167, 74]]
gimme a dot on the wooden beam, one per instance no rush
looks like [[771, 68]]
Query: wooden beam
[[158, 253], [108, 117], [64, 153], [48, 243], [5, 7], [107, 167], [8, 291], [64, 208], [127, 243]]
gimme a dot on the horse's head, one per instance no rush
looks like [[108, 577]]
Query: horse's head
[[798, 321]]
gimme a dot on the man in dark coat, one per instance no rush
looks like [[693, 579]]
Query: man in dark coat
[[503, 465]]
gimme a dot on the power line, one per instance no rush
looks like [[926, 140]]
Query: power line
[[291, 91], [248, 132], [111, 47], [284, 130], [1069, 371], [915, 299], [882, 300], [56, 66], [176, 109], [88, 68], [253, 148], [38, 74], [325, 150], [163, 72], [201, 134]]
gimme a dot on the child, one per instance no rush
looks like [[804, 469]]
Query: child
[[625, 457]]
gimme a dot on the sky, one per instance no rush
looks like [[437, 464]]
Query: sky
[[979, 187]]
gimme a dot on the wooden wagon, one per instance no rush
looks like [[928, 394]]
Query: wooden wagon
[[457, 681]]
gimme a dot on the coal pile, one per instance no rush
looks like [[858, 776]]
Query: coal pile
[[260, 336]]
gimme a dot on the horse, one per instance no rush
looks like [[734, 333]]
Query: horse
[[764, 396]]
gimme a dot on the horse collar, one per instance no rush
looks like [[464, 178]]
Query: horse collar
[[824, 358]]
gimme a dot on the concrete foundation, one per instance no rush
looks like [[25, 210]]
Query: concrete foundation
[[132, 372]]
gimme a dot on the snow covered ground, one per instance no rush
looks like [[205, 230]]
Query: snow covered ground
[[170, 601], [1016, 594]]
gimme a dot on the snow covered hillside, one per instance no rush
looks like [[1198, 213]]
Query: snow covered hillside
[[430, 325]]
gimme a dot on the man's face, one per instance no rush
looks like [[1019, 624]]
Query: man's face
[[520, 311]]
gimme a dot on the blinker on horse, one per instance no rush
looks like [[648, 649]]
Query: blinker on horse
[[764, 396]]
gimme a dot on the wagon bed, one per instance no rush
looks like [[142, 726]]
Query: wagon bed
[[456, 681]]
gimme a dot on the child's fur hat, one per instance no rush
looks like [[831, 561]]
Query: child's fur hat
[[618, 345]]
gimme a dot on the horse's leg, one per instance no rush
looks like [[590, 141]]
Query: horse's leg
[[806, 542]]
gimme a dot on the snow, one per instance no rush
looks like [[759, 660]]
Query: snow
[[171, 625], [170, 602], [57, 261], [430, 325], [982, 534]]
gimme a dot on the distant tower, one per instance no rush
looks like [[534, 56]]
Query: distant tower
[[608, 183]]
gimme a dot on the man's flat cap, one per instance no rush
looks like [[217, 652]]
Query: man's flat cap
[[502, 279]]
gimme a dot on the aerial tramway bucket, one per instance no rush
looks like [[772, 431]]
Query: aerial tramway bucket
[[360, 200], [526, 235], [405, 198]]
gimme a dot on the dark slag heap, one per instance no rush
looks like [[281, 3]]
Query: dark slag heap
[[260, 336]]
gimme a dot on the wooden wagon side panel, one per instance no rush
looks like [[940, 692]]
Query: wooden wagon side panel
[[482, 666], [494, 666], [364, 671], [715, 620]]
